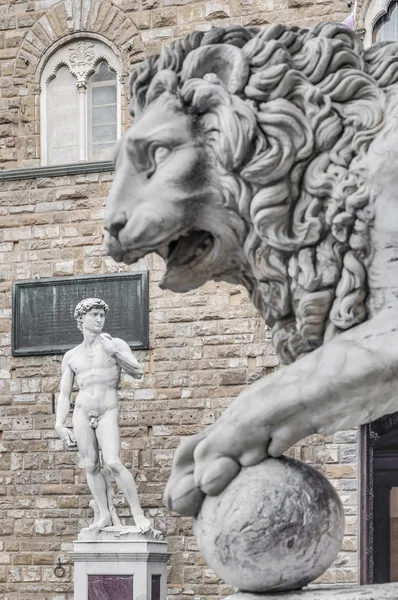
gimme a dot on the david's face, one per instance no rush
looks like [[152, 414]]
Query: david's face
[[93, 320]]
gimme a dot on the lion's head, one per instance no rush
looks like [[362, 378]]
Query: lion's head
[[170, 200], [243, 164]]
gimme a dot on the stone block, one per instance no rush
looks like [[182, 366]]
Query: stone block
[[5, 558], [23, 558], [193, 575], [164, 17], [8, 22], [31, 573], [300, 3], [43, 558], [64, 268], [44, 526]]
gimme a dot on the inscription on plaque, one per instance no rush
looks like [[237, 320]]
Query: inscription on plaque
[[110, 587], [43, 321]]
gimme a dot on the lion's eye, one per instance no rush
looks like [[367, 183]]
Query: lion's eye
[[161, 153]]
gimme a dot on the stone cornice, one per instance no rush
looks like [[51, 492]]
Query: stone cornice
[[119, 556], [57, 170]]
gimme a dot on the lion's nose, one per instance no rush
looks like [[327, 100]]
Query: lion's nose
[[115, 224]]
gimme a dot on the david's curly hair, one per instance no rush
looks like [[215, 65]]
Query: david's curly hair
[[289, 144], [85, 305]]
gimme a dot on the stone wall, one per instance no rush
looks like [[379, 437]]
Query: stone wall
[[136, 28], [204, 346]]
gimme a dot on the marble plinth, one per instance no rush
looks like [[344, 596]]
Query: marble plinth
[[119, 563], [385, 591]]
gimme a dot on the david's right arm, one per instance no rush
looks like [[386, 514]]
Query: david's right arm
[[63, 404]]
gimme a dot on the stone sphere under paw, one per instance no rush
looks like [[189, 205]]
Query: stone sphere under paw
[[277, 526]]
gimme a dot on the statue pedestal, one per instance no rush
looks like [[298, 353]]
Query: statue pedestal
[[118, 563]]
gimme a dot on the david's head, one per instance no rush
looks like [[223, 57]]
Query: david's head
[[90, 314]]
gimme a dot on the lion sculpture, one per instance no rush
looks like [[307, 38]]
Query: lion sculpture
[[268, 158]]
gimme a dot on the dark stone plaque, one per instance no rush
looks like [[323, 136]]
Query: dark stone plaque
[[43, 321], [155, 587], [110, 587]]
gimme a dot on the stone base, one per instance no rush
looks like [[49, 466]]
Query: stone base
[[119, 563], [385, 591]]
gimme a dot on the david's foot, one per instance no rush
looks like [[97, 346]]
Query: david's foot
[[142, 523], [102, 522]]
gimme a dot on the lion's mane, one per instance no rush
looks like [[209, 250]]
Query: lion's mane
[[290, 147]]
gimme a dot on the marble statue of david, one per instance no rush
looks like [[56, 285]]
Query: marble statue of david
[[96, 365]]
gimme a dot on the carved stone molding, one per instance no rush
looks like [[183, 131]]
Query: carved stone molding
[[81, 59]]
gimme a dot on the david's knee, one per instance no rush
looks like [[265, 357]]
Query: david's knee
[[115, 466], [92, 467]]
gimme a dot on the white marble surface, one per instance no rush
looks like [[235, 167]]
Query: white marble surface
[[279, 524], [129, 533], [96, 365], [386, 591]]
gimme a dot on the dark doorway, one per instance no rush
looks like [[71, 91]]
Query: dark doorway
[[379, 501]]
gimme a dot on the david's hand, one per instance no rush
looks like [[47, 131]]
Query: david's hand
[[108, 344], [65, 435]]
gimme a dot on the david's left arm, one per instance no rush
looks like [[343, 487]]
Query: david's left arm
[[121, 352]]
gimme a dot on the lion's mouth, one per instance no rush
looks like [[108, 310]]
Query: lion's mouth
[[180, 253], [189, 249]]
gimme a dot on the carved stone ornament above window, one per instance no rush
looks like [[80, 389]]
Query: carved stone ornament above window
[[81, 59]]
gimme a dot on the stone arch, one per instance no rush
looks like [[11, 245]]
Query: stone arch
[[372, 13], [70, 17], [59, 44]]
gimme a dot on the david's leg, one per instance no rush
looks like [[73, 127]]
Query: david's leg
[[109, 440], [88, 448]]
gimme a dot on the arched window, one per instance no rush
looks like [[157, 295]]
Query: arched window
[[80, 103], [386, 27]]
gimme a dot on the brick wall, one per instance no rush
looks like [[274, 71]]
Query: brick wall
[[205, 345]]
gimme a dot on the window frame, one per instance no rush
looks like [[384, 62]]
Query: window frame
[[384, 18], [375, 11], [96, 51]]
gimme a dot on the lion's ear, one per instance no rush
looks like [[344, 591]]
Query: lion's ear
[[224, 60]]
